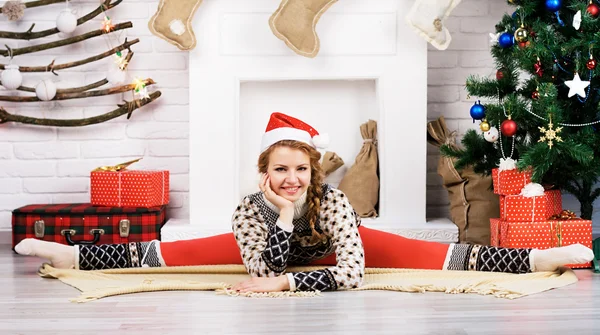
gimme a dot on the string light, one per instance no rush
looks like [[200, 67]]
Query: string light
[[107, 24], [120, 60], [140, 88]]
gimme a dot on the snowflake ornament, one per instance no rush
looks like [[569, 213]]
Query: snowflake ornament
[[550, 134]]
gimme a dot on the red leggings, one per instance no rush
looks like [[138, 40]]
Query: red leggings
[[382, 250]]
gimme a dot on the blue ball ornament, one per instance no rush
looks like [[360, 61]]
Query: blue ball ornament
[[477, 111], [553, 5], [506, 40]]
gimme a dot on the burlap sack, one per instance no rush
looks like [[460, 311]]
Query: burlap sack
[[331, 162], [472, 201], [361, 182]]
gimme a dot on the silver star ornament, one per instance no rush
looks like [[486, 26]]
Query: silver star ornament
[[494, 38], [577, 86]]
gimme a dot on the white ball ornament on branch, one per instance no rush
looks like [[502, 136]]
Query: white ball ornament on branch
[[66, 22], [45, 90], [115, 75], [11, 77], [491, 135]]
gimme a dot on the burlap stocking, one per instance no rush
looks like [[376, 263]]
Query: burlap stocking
[[361, 182], [427, 17], [295, 21], [173, 22]]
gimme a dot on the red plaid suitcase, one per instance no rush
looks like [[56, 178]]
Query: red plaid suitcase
[[87, 224]]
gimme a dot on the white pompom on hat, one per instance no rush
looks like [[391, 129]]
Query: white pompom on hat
[[284, 127]]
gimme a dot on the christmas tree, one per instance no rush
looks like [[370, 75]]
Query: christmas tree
[[541, 109], [65, 31]]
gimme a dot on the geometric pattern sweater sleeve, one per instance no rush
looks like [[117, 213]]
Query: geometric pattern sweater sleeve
[[339, 222], [264, 250]]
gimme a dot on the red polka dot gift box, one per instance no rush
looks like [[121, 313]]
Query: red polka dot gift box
[[542, 234], [129, 188], [519, 208], [509, 182]]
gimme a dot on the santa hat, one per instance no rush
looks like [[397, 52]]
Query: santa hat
[[284, 127]]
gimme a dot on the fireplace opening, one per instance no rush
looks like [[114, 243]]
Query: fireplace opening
[[334, 107]]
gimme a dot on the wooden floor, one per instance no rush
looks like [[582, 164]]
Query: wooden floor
[[33, 305]]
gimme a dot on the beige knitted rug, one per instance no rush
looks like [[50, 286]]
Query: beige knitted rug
[[104, 283]]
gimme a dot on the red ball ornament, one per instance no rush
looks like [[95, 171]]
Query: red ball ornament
[[508, 127], [591, 64], [524, 44], [532, 34], [593, 9], [499, 74], [538, 68], [535, 95]]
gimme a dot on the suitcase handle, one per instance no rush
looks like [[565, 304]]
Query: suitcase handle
[[68, 232]]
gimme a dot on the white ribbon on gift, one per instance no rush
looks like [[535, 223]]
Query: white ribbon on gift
[[163, 187], [508, 165], [531, 190], [119, 173], [120, 197]]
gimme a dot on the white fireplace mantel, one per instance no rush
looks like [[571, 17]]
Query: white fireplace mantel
[[240, 73]]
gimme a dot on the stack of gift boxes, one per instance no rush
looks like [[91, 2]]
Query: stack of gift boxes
[[534, 221], [125, 206]]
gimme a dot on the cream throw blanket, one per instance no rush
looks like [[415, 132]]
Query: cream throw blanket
[[104, 283]]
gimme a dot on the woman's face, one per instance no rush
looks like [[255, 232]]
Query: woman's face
[[289, 170]]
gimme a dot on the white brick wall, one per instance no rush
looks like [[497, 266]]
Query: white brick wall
[[42, 165]]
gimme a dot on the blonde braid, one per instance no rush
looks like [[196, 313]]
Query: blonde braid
[[315, 194]]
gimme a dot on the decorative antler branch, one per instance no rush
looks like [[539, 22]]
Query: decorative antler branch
[[68, 90], [38, 3], [82, 88], [53, 67], [127, 108], [66, 41], [78, 94], [30, 35]]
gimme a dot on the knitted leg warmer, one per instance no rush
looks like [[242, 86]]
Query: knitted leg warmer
[[116, 256], [484, 258]]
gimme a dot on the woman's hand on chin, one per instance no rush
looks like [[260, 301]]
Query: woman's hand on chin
[[277, 200]]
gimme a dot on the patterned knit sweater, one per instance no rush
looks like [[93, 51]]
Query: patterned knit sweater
[[267, 248]]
